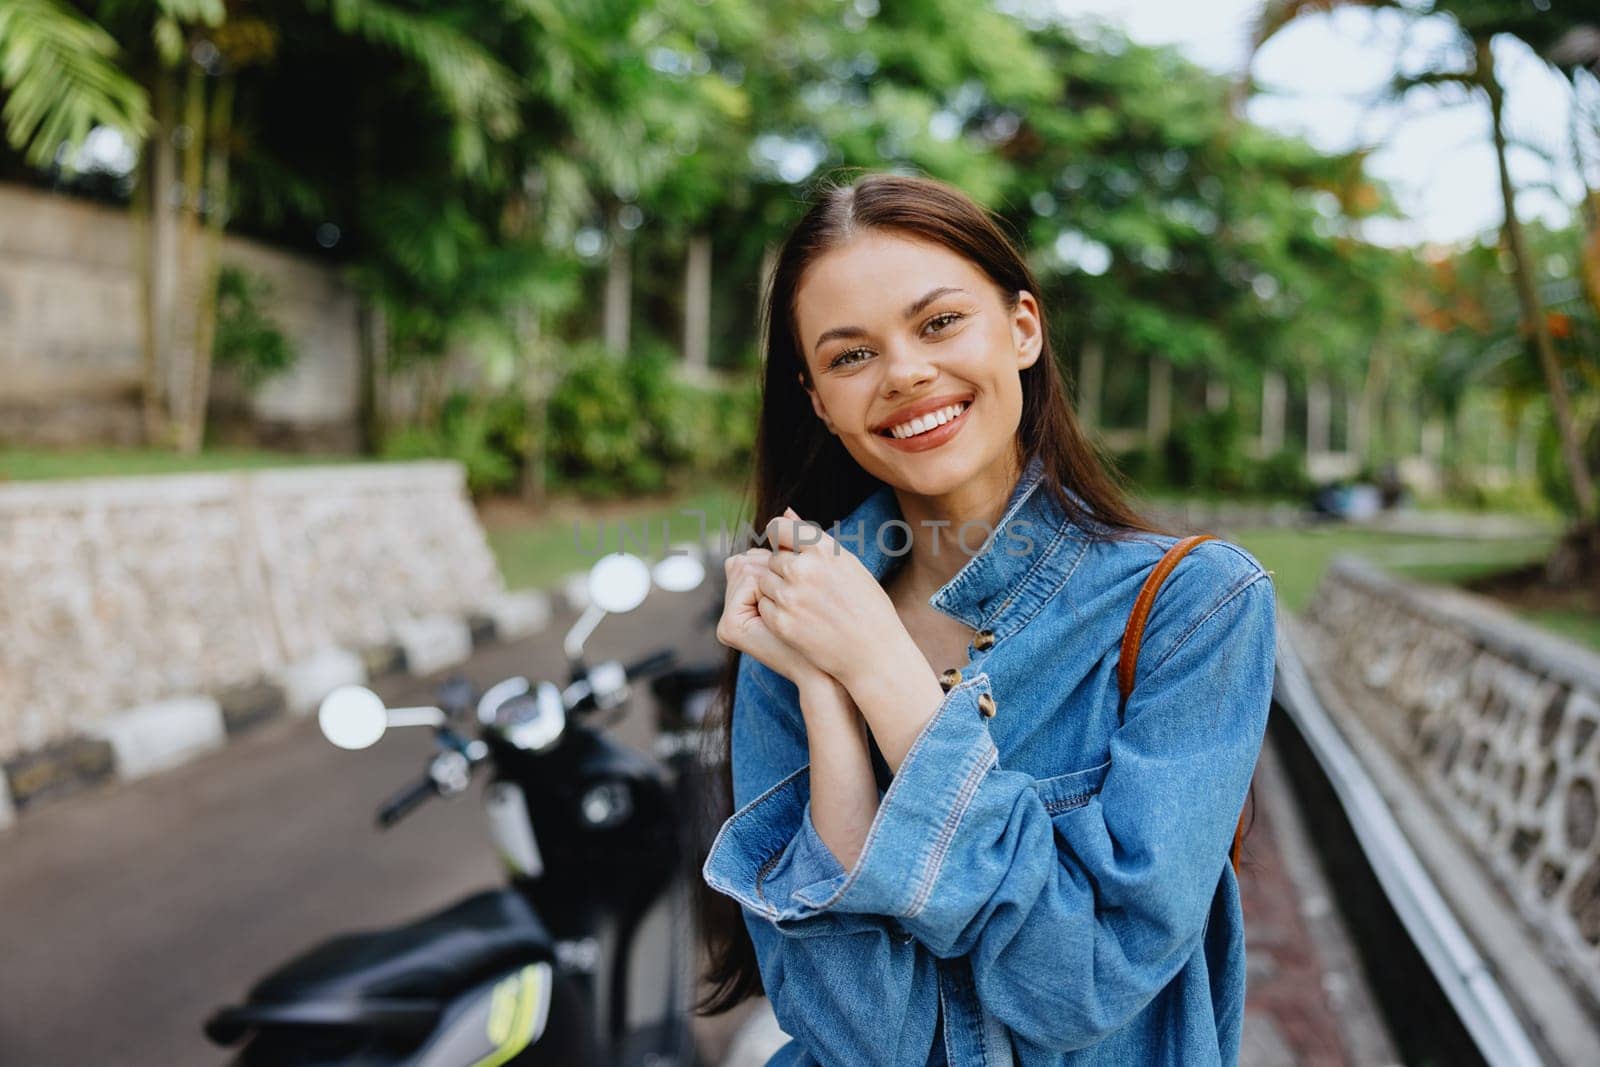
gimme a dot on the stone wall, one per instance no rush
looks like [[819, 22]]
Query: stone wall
[[121, 592], [70, 354], [1497, 720]]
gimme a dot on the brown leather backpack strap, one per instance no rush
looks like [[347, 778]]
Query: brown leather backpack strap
[[1133, 635]]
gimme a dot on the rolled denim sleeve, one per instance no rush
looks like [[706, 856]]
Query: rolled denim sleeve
[[1076, 919], [767, 856]]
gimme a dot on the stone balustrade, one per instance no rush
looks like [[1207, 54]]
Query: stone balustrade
[[1497, 721]]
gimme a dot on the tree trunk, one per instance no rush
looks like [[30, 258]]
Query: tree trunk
[[374, 340], [1528, 297], [158, 260], [219, 128]]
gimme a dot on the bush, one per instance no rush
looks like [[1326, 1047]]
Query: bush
[[247, 339], [1205, 452], [630, 425], [614, 426], [481, 433]]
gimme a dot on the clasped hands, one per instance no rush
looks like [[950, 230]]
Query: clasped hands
[[812, 612]]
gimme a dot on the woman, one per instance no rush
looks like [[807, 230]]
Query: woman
[[950, 841]]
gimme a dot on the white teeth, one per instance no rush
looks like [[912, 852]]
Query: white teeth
[[927, 422]]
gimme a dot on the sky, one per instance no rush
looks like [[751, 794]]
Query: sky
[[1323, 75]]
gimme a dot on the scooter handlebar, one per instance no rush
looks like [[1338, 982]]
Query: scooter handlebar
[[650, 664], [401, 804]]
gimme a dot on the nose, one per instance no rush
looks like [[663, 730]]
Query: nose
[[906, 367]]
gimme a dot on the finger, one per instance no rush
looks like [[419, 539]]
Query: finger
[[771, 586], [794, 534]]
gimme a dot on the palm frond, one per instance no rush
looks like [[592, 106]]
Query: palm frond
[[473, 86], [60, 79]]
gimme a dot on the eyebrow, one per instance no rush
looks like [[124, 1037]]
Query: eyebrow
[[911, 309]]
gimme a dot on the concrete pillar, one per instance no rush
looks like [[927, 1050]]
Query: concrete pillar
[[1091, 382], [1216, 395], [697, 303], [1158, 409], [1274, 405], [1527, 460], [1318, 416], [619, 289], [1432, 443], [1355, 437]]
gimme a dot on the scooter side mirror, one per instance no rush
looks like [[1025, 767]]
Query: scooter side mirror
[[618, 582], [353, 717], [679, 572]]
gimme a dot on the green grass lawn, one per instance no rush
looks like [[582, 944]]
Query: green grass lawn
[[1298, 557], [29, 464]]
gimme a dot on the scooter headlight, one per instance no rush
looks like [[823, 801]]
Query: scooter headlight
[[606, 804]]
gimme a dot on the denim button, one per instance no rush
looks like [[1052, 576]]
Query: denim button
[[984, 641], [950, 679], [986, 705]]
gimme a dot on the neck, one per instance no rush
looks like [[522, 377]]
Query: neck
[[938, 548]]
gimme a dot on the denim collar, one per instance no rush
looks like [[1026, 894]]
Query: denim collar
[[1024, 561]]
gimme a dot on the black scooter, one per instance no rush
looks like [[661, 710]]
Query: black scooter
[[593, 834]]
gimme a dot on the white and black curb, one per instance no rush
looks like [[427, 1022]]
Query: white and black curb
[[163, 734]]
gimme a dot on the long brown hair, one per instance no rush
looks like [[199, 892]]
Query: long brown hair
[[800, 464]]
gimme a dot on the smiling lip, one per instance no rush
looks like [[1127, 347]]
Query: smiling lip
[[934, 437], [911, 411]]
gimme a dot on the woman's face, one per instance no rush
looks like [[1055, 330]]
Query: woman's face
[[895, 329]]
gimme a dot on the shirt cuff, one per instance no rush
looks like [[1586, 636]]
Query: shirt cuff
[[768, 856]]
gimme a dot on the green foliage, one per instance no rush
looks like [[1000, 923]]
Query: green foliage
[[60, 78], [1207, 451], [633, 425], [483, 434], [1206, 457], [248, 340]]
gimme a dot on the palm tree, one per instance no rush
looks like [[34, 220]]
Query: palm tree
[[1479, 22], [63, 74]]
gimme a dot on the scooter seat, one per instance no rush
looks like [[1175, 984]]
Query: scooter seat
[[402, 973]]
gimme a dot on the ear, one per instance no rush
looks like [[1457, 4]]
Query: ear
[[1027, 329], [816, 404]]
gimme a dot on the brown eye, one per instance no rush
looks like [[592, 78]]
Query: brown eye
[[843, 358], [939, 322]]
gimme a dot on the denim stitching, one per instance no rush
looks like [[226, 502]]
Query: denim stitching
[[877, 820], [1038, 565], [1222, 602], [947, 832], [1050, 594]]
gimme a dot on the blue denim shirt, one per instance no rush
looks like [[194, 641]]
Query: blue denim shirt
[[1050, 885]]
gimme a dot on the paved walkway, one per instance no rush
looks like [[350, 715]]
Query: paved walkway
[[1306, 1002]]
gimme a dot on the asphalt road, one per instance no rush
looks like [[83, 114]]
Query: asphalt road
[[128, 914]]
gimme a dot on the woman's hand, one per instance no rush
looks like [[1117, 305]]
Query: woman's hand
[[821, 600], [743, 627]]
